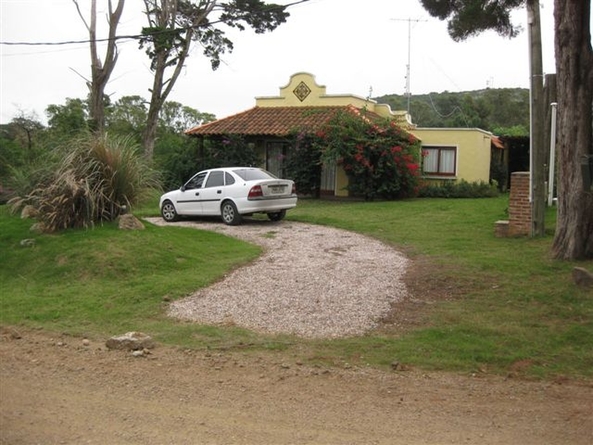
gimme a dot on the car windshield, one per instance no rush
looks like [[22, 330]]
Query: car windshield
[[253, 174]]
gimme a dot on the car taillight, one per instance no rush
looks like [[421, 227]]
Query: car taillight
[[293, 189], [255, 192]]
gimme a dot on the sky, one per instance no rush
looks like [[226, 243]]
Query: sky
[[352, 47]]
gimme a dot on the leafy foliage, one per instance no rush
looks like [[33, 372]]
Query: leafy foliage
[[468, 18], [175, 24], [97, 178], [503, 111], [231, 150], [380, 159], [303, 164], [70, 118], [177, 159]]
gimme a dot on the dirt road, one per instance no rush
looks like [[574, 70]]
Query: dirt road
[[57, 390]]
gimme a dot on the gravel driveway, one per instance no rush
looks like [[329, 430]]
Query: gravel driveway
[[311, 281]]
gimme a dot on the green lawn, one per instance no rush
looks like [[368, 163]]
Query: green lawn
[[511, 302]]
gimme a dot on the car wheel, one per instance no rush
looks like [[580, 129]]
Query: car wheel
[[168, 212], [278, 216], [229, 213]]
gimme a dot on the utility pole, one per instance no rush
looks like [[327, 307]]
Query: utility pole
[[409, 20], [537, 148]]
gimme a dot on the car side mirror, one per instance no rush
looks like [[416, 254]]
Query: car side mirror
[[182, 188]]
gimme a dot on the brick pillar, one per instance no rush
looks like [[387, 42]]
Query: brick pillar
[[519, 205]]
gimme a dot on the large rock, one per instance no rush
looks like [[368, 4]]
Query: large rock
[[582, 277], [130, 222], [131, 341]]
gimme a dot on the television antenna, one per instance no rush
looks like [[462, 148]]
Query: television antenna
[[408, 93]]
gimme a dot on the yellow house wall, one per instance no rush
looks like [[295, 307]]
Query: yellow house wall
[[319, 98], [473, 150], [341, 183], [473, 145]]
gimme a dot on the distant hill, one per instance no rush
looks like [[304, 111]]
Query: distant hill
[[503, 111]]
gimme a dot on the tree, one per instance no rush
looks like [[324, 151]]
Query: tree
[[177, 118], [574, 69], [172, 27], [127, 116], [69, 119], [101, 72]]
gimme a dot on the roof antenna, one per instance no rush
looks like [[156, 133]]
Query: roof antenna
[[409, 20]]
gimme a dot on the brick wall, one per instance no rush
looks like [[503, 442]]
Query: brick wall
[[519, 205]]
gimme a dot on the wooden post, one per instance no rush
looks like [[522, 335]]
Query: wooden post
[[537, 132]]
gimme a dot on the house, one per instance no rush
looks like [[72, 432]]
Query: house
[[304, 105], [455, 154]]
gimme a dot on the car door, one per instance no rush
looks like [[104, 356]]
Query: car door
[[189, 197], [212, 193]]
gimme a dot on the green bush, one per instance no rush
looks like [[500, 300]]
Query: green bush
[[303, 165], [96, 180], [460, 189], [380, 158]]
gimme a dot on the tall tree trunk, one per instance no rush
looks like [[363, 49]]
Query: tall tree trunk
[[574, 69], [101, 72], [165, 17]]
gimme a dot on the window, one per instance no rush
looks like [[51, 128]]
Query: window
[[439, 161], [195, 182], [228, 178], [216, 179], [251, 174]]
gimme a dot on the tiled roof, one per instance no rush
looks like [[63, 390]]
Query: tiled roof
[[274, 121], [495, 140]]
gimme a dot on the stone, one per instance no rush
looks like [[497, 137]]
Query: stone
[[130, 222], [501, 229], [582, 277], [10, 333], [28, 242], [131, 341]]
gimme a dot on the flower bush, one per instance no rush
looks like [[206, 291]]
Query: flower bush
[[381, 159], [303, 164]]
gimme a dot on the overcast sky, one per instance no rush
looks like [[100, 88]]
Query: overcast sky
[[352, 47]]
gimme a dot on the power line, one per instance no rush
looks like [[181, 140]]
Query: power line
[[130, 37]]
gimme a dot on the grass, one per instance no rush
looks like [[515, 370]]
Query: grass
[[508, 303]]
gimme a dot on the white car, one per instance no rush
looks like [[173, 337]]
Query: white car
[[230, 192]]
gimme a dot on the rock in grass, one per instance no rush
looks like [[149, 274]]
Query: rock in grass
[[582, 277], [130, 222], [131, 341]]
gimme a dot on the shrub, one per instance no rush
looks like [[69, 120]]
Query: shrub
[[461, 189], [97, 179], [380, 159], [303, 165], [230, 151]]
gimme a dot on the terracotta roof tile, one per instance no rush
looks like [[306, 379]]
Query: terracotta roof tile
[[495, 140], [275, 121]]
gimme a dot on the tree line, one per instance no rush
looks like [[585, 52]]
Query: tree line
[[502, 111]]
